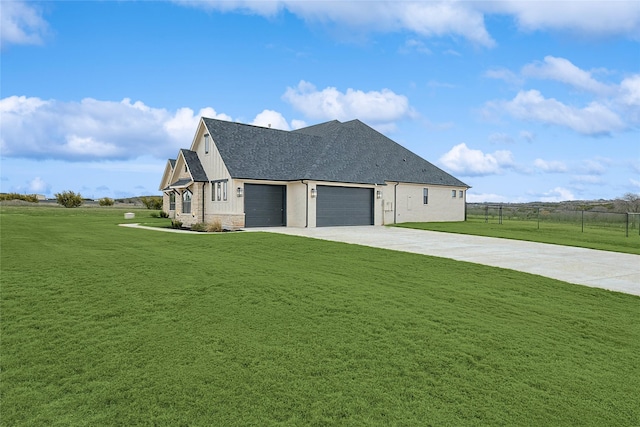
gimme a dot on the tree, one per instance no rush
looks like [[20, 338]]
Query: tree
[[69, 199], [152, 202], [106, 201], [630, 202]]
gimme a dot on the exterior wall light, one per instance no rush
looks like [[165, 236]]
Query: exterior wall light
[[378, 194], [239, 191], [314, 193]]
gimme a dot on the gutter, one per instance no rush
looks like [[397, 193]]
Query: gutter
[[395, 201], [306, 198]]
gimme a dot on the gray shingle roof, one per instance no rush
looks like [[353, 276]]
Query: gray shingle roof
[[180, 183], [349, 152], [195, 167]]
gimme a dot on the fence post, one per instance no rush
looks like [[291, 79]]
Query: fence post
[[500, 214]]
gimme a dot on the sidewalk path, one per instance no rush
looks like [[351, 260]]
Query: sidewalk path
[[601, 269]]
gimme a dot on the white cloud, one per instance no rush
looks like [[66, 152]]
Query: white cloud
[[21, 23], [298, 124], [504, 74], [629, 97], [89, 147], [527, 136], [500, 138], [594, 119], [586, 179], [634, 182], [456, 19], [468, 162], [485, 198], [595, 166], [380, 108], [271, 119], [424, 18], [595, 18], [413, 45], [630, 90], [558, 194], [564, 71], [93, 129], [553, 166], [38, 186], [183, 123]]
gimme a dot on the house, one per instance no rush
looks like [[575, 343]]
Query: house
[[328, 174]]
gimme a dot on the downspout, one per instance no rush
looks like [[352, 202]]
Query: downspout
[[203, 184], [306, 199], [395, 201]]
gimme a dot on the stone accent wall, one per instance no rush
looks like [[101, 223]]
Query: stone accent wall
[[228, 221]]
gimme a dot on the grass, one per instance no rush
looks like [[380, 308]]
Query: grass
[[568, 234], [104, 325]]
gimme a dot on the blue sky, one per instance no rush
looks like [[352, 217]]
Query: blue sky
[[523, 101]]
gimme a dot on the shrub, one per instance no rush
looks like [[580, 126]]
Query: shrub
[[152, 202], [164, 214], [69, 199], [200, 226], [154, 215], [106, 201], [215, 226], [15, 196], [176, 224]]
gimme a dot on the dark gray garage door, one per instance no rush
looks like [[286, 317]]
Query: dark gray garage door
[[344, 206], [264, 205]]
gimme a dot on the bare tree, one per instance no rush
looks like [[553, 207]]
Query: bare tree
[[630, 202]]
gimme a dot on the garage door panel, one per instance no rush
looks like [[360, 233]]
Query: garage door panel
[[344, 206], [264, 205]]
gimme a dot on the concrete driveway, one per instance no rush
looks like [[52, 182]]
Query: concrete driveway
[[601, 269]]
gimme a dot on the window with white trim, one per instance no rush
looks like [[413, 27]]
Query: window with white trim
[[425, 196], [172, 201], [224, 191], [207, 144], [453, 194], [461, 194], [219, 191]]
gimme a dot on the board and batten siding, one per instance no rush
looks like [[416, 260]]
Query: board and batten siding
[[230, 213]]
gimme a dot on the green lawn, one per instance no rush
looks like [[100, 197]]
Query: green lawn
[[105, 325], [568, 234]]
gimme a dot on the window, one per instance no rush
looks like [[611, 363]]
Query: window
[[172, 201], [425, 196], [186, 202], [219, 190], [461, 194], [185, 167], [453, 194], [206, 144]]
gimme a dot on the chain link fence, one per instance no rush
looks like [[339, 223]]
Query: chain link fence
[[538, 216]]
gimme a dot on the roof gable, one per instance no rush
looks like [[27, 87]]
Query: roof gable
[[194, 166], [168, 173]]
